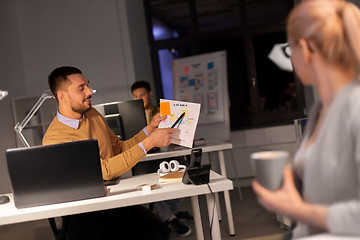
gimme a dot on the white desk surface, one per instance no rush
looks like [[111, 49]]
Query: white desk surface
[[123, 194], [167, 152], [210, 146], [326, 236]]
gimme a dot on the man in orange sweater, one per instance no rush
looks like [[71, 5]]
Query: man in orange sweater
[[77, 120]]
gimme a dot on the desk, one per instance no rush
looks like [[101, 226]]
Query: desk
[[326, 236], [216, 146], [125, 194]]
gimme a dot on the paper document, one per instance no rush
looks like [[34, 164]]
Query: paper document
[[186, 126]]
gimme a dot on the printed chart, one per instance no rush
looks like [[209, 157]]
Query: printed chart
[[186, 126]]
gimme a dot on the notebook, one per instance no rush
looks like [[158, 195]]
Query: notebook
[[55, 173], [172, 177]]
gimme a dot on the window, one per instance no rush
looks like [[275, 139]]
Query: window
[[217, 15], [260, 93]]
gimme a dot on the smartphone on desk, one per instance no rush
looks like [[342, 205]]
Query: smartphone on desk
[[194, 165], [195, 157]]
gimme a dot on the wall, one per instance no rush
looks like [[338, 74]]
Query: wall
[[11, 79], [81, 33], [139, 41]]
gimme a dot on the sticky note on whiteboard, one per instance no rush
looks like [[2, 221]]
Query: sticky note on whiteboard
[[165, 108]]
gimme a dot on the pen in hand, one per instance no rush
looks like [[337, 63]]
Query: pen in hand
[[178, 120]]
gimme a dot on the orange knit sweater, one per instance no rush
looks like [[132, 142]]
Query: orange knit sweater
[[116, 156]]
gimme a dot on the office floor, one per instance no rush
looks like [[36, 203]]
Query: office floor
[[251, 221]]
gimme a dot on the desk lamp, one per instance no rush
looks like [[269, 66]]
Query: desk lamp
[[20, 126]]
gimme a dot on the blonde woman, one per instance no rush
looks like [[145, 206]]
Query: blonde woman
[[324, 37]]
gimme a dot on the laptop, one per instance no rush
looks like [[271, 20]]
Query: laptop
[[56, 173]]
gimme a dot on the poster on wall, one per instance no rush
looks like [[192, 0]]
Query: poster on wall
[[200, 79]]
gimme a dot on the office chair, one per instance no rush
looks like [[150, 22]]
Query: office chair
[[59, 233], [124, 118], [299, 125]]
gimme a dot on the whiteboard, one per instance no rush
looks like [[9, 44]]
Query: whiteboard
[[203, 79]]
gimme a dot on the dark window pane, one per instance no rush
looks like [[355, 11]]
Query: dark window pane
[[215, 15], [277, 92], [192, 27], [170, 19], [165, 58], [265, 11]]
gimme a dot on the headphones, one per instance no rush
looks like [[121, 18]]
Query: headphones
[[172, 166]]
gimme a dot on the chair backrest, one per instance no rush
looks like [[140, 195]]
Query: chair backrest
[[299, 125]]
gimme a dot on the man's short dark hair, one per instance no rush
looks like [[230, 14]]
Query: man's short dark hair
[[59, 76], [141, 84]]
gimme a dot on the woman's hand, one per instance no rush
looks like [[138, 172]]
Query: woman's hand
[[285, 200], [288, 201]]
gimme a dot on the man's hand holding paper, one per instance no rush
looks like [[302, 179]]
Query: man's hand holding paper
[[186, 126]]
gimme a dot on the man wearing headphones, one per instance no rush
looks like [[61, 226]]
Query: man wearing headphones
[[166, 210]]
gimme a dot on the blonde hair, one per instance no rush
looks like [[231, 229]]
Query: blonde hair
[[332, 26]]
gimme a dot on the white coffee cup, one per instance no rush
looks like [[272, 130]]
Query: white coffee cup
[[268, 168]]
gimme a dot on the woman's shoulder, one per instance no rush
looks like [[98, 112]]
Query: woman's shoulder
[[351, 108], [353, 93]]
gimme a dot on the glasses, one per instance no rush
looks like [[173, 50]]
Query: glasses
[[286, 50]]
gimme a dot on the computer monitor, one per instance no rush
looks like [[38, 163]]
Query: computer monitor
[[125, 118]]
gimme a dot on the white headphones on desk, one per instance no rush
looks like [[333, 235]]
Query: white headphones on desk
[[172, 166]]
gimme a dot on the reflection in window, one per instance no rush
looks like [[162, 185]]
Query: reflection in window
[[175, 14], [161, 31]]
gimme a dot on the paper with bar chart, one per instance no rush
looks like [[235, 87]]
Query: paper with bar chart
[[186, 126]]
